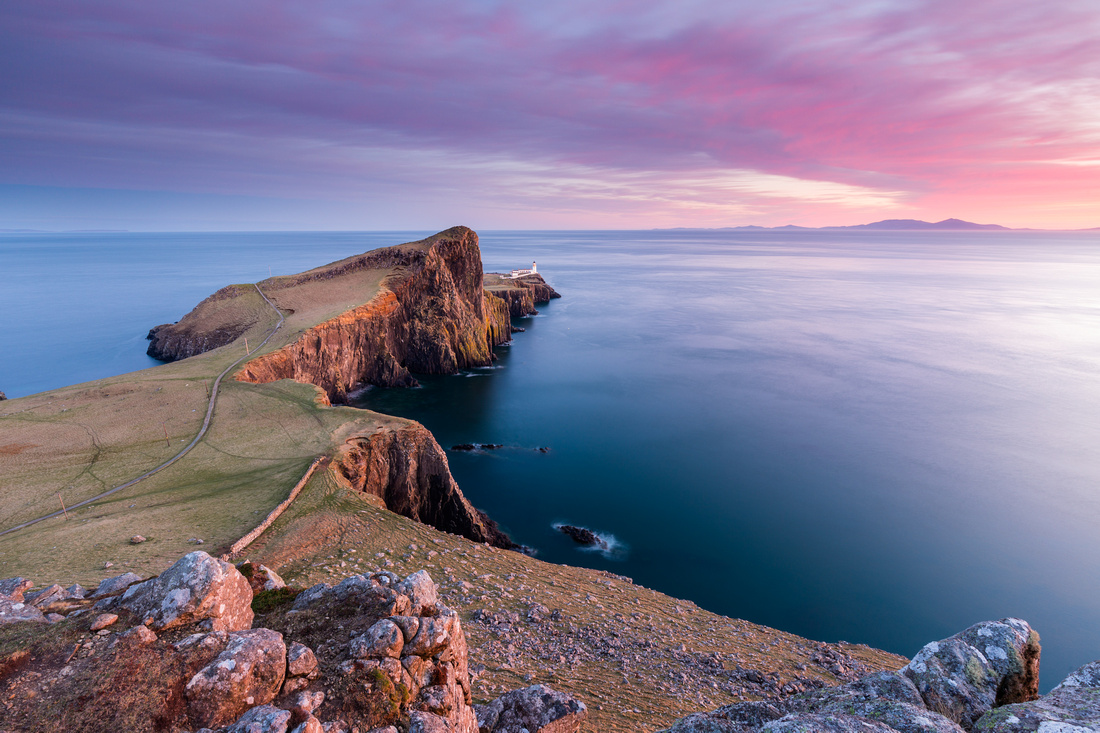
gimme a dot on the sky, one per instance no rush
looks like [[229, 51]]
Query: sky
[[334, 114]]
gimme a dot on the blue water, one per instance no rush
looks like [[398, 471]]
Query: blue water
[[875, 437]]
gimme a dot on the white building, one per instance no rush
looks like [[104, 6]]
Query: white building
[[520, 273]]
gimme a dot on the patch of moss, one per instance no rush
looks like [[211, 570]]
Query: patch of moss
[[246, 569]]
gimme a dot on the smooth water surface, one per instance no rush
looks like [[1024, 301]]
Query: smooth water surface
[[877, 437]]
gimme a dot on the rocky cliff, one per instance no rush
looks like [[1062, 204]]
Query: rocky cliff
[[521, 294], [212, 323], [432, 316], [408, 470]]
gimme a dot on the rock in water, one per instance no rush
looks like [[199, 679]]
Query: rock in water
[[582, 536], [197, 587]]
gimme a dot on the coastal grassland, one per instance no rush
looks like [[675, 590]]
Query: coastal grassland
[[80, 441], [638, 658]]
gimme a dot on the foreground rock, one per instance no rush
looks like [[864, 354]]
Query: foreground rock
[[375, 652], [946, 688], [536, 709], [1071, 707], [197, 588]]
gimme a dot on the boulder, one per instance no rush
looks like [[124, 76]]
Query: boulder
[[383, 639], [422, 592], [1071, 707], [375, 593], [104, 620], [109, 586], [12, 612], [196, 588], [300, 661], [989, 664], [737, 718], [262, 719], [885, 697], [14, 588], [424, 722], [75, 591], [248, 672], [824, 723], [537, 709], [44, 597], [434, 633], [309, 725]]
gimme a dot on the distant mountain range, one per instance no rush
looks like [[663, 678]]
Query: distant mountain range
[[900, 225]]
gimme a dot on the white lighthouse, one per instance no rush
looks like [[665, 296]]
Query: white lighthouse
[[520, 273]]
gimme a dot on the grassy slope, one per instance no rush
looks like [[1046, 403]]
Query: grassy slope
[[82, 440]]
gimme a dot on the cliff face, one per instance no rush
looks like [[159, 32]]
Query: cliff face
[[408, 470], [521, 294], [203, 329], [432, 317]]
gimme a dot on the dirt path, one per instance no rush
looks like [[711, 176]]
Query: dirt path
[[182, 453]]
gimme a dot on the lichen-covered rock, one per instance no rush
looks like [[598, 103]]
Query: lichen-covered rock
[[197, 587], [1087, 676], [434, 633], [44, 597], [14, 588], [12, 612], [885, 697], [424, 722], [374, 594], [824, 723], [1071, 707], [309, 725], [737, 718], [103, 620], [300, 661], [537, 709], [108, 586], [262, 719], [248, 672], [422, 592], [383, 639], [966, 675]]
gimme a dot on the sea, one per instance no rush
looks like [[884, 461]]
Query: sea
[[875, 437]]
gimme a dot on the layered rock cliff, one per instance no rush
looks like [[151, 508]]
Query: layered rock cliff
[[521, 294], [432, 317], [408, 470]]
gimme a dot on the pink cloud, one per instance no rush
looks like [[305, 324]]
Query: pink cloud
[[935, 104]]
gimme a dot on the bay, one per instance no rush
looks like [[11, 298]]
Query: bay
[[881, 437]]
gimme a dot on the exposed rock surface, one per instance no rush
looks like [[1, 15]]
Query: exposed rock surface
[[408, 470], [582, 536], [15, 611], [260, 577], [262, 719], [1071, 707], [248, 672], [109, 586], [197, 587], [431, 317], [946, 687], [3, 396], [14, 588], [536, 709], [520, 294]]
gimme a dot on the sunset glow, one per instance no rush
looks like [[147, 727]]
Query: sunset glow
[[342, 115]]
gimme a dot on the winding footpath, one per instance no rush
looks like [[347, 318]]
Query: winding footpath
[[182, 453]]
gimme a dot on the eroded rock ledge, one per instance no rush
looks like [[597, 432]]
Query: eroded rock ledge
[[408, 470]]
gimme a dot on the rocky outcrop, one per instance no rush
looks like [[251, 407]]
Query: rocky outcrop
[[521, 294], [1071, 707], [373, 653], [196, 588], [408, 470], [946, 688], [213, 323], [3, 396], [247, 673], [536, 709], [431, 317]]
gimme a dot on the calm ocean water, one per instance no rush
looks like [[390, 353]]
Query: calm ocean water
[[876, 437]]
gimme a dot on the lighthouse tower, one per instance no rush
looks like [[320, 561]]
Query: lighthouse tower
[[534, 268]]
